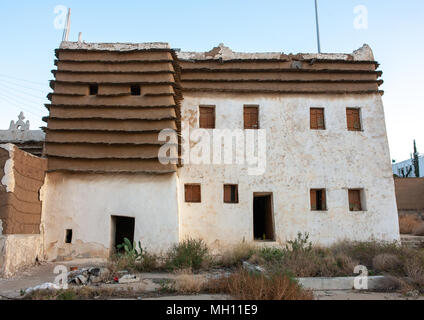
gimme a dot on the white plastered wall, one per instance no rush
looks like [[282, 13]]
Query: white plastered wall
[[298, 159], [86, 202]]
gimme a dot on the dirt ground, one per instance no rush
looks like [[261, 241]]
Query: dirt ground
[[149, 283]]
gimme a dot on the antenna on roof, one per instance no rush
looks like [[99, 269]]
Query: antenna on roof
[[65, 35], [316, 19]]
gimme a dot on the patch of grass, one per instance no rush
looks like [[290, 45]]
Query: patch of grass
[[188, 283], [76, 293], [188, 254], [147, 262], [243, 285], [235, 255]]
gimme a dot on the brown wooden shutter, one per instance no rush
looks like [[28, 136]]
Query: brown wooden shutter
[[323, 200], [355, 200], [251, 117], [353, 119], [230, 193], [317, 118], [192, 193], [313, 199], [207, 117]]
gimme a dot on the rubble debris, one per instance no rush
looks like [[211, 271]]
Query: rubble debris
[[129, 278], [252, 267], [87, 275], [44, 286]]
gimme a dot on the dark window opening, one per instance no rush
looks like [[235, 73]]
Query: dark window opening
[[355, 202], [68, 236], [230, 193], [135, 90], [123, 228], [318, 201], [192, 193], [94, 89], [207, 117], [263, 224]]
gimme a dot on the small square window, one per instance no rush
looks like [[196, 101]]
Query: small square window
[[192, 193], [68, 236], [94, 89], [317, 118], [355, 200], [230, 193], [318, 200], [135, 90]]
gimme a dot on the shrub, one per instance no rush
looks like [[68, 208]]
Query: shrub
[[243, 285], [186, 282], [238, 253], [271, 254], [408, 222], [386, 262], [188, 254]]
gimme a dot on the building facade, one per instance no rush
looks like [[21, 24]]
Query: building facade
[[258, 147], [405, 169]]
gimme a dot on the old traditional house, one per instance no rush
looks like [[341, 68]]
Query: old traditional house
[[316, 121]]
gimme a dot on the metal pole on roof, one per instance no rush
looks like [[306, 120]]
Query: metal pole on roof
[[316, 19], [65, 35]]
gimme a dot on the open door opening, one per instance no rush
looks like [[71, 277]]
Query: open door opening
[[263, 222], [122, 227]]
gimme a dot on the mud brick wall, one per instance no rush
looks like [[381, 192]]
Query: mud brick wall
[[22, 176]]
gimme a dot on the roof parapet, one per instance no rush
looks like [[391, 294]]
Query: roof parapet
[[113, 46]]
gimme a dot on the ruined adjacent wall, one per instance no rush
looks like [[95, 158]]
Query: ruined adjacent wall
[[22, 176], [410, 195], [86, 202]]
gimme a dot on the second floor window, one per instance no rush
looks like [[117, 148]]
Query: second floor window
[[192, 193], [317, 118], [251, 117], [207, 117], [230, 193], [353, 119], [318, 201]]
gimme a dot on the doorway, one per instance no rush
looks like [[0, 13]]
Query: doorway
[[122, 227], [263, 222]]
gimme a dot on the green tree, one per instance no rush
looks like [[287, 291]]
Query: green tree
[[415, 161]]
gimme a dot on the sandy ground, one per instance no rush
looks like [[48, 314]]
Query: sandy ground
[[150, 282]]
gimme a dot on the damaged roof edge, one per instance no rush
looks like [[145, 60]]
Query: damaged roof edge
[[117, 46], [222, 52]]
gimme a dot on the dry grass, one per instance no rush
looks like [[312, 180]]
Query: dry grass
[[243, 285], [386, 262], [186, 282], [238, 253], [409, 223], [78, 293]]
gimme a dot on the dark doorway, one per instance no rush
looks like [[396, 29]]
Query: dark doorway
[[263, 224], [123, 227]]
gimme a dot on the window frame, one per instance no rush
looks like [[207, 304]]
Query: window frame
[[361, 195], [359, 119], [93, 87], [137, 90], [323, 199], [191, 185], [236, 200], [210, 107], [251, 106], [318, 127]]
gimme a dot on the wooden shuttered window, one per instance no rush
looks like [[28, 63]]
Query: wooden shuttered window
[[207, 117], [230, 193], [318, 199], [251, 117], [355, 203], [192, 193], [353, 119], [317, 118]]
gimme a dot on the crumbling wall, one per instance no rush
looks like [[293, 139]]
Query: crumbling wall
[[22, 176]]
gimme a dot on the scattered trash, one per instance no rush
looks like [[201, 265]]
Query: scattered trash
[[252, 267], [412, 293], [44, 286], [129, 278], [87, 275], [73, 268]]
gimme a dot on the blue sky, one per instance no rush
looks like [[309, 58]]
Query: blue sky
[[28, 39]]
